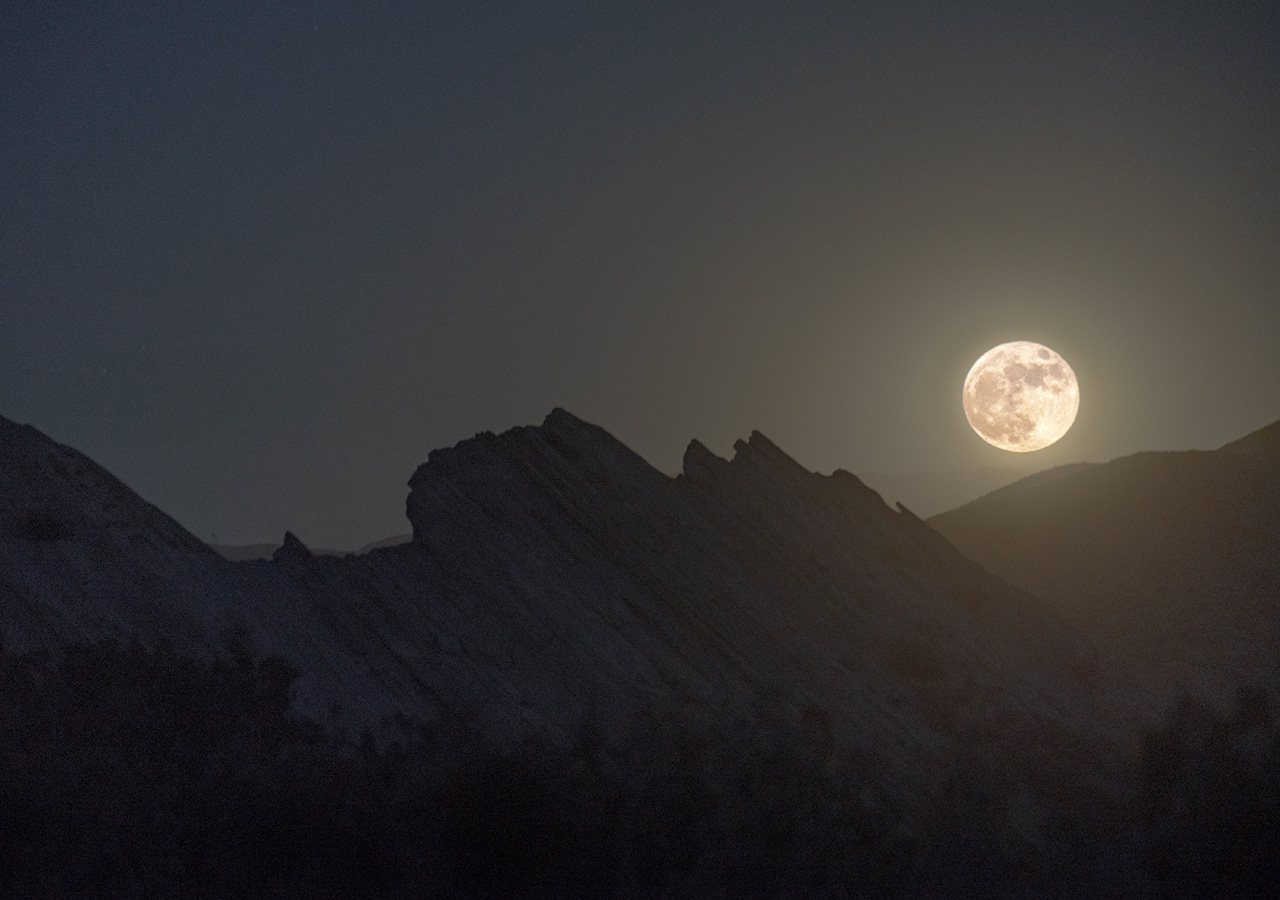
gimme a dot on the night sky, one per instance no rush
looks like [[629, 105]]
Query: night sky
[[259, 259]]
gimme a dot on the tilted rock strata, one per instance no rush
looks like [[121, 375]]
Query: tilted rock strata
[[555, 577], [83, 558], [603, 573]]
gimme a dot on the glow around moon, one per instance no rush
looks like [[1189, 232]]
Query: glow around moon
[[1021, 396]]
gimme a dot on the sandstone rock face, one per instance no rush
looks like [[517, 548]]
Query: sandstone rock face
[[554, 577], [1169, 561], [578, 574]]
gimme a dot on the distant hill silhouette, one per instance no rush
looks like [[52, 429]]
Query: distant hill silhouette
[[243, 552], [1170, 561], [393, 541], [929, 493], [246, 552]]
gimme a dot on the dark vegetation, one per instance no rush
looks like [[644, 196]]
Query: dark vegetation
[[128, 772], [1210, 806], [42, 525]]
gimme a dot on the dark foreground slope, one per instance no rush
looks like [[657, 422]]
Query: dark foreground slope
[[1169, 561]]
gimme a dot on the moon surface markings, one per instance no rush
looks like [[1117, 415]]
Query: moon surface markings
[[1021, 396]]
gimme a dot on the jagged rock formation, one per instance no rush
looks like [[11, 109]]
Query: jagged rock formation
[[1168, 560], [554, 577], [558, 588]]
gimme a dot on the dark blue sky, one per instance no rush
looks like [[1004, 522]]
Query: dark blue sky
[[260, 261]]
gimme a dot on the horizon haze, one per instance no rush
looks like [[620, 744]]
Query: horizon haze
[[260, 261]]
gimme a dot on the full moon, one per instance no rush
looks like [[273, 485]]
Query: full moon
[[1021, 396]]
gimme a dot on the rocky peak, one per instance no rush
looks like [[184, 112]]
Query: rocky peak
[[760, 453], [291, 550], [701, 466], [761, 475], [565, 424], [530, 472], [758, 468]]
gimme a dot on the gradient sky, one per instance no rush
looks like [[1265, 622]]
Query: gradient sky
[[258, 260]]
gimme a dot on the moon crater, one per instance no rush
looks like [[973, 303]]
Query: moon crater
[[1021, 396]]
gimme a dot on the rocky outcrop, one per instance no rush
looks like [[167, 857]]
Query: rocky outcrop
[[559, 588], [555, 578], [587, 577]]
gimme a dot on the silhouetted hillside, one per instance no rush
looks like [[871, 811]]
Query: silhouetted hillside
[[929, 493], [1168, 560], [582, 677], [554, 576]]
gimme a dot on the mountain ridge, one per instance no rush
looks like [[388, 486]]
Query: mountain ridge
[[553, 574], [559, 593]]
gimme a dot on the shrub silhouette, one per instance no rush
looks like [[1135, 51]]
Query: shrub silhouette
[[41, 525], [126, 770], [1209, 789], [130, 771]]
